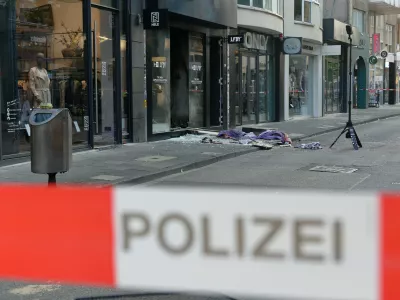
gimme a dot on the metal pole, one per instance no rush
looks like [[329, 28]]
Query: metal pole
[[96, 94], [52, 179], [350, 76]]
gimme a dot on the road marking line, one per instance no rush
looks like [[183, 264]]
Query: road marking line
[[359, 182]]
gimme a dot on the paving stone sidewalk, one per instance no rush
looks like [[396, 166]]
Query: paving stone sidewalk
[[299, 128], [130, 164], [139, 163]]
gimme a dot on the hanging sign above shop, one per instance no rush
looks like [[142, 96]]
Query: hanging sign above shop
[[155, 19], [384, 54], [292, 45], [236, 39], [373, 60]]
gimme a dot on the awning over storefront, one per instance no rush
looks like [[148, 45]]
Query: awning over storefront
[[335, 31], [385, 7]]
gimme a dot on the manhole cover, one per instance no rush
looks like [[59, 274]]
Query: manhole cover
[[156, 158], [333, 169]]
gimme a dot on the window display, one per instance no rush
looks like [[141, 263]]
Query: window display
[[299, 91], [46, 67]]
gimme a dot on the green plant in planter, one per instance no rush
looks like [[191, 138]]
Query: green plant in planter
[[71, 41]]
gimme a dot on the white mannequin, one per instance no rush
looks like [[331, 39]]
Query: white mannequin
[[39, 82]]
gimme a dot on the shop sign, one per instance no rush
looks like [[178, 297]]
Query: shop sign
[[38, 39], [159, 69], [330, 50], [12, 115], [308, 47], [384, 54], [373, 60], [155, 19], [292, 45], [235, 39], [255, 41], [376, 43]]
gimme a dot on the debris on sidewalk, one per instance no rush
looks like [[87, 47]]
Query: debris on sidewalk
[[266, 140], [310, 146]]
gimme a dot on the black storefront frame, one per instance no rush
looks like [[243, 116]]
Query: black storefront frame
[[256, 54], [191, 26], [88, 60], [88, 63]]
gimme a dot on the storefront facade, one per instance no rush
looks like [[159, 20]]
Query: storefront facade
[[253, 80], [186, 67], [49, 57], [117, 80], [336, 68], [304, 73]]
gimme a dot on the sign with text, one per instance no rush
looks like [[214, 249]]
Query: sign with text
[[236, 39], [292, 45], [307, 251], [155, 19], [376, 43]]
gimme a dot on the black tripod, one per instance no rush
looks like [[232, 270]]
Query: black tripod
[[349, 128]]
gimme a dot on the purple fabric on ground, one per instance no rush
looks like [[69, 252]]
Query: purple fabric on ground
[[272, 135], [233, 134]]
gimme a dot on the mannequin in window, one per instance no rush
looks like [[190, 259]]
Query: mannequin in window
[[39, 82]]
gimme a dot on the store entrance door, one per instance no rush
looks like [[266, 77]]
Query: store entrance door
[[248, 88], [104, 83], [332, 85]]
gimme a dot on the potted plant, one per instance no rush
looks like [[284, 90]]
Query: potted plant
[[71, 41]]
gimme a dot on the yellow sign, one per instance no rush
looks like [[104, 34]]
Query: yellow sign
[[145, 103]]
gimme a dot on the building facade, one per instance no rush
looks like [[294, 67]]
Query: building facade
[[337, 15], [382, 25], [253, 64], [303, 73], [121, 83]]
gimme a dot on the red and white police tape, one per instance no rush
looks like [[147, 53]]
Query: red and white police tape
[[250, 242]]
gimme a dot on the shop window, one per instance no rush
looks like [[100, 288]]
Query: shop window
[[300, 91], [244, 2], [302, 10], [275, 6], [47, 67], [158, 73]]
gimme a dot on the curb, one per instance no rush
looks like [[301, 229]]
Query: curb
[[338, 128], [185, 168], [213, 160]]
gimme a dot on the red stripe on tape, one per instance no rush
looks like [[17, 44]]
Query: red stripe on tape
[[62, 234], [390, 247]]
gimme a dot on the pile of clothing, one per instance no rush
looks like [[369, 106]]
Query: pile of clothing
[[310, 146], [272, 136]]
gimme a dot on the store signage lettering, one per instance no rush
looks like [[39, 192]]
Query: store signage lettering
[[38, 39], [308, 47], [12, 116], [255, 41], [376, 40], [303, 233], [155, 19], [235, 39]]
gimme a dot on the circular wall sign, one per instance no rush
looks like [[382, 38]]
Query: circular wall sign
[[373, 60], [384, 54]]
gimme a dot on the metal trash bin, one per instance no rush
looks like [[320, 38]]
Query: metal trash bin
[[51, 141]]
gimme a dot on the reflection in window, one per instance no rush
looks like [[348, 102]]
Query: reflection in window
[[299, 91], [274, 6], [49, 67], [302, 10]]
